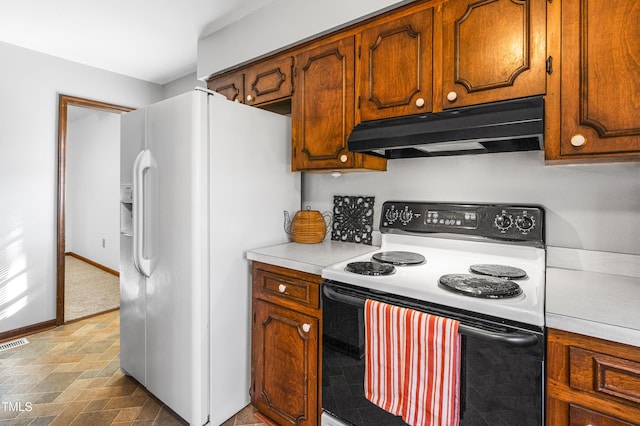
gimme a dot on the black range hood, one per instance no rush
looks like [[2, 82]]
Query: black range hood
[[515, 125]]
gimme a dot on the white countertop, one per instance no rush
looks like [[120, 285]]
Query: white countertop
[[595, 294], [309, 258], [592, 293]]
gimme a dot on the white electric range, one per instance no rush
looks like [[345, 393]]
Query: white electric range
[[481, 264]]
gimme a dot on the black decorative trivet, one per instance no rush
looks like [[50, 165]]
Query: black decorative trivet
[[352, 219]]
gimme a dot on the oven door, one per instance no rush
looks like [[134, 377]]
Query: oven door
[[502, 369]]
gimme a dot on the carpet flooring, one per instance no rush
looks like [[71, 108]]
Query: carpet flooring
[[71, 375], [88, 290]]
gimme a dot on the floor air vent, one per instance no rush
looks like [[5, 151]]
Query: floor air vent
[[13, 344]]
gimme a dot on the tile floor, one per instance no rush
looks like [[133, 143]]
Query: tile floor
[[70, 376]]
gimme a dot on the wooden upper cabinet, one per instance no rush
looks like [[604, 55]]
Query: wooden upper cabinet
[[323, 110], [269, 81], [231, 85], [600, 95], [396, 67], [493, 50], [261, 83]]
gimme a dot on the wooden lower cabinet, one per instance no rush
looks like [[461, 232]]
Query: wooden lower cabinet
[[286, 345], [591, 381]]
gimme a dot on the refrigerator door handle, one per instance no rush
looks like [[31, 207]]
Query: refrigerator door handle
[[142, 163]]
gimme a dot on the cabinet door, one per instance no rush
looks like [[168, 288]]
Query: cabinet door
[[493, 50], [285, 363], [322, 109], [230, 85], [396, 64], [600, 95], [269, 81]]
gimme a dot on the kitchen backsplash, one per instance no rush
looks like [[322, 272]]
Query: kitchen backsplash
[[591, 207]]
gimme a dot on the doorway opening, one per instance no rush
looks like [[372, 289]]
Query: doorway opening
[[69, 106]]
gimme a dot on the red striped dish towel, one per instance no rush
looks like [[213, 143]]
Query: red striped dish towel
[[412, 364], [384, 352]]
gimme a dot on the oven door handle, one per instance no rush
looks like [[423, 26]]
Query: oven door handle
[[517, 339]]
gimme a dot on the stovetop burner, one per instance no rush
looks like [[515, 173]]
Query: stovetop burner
[[499, 271], [480, 286], [399, 258], [370, 268]]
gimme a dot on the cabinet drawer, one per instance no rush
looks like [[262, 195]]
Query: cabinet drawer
[[604, 375], [285, 290], [579, 416]]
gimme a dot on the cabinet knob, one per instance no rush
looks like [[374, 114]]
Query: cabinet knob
[[452, 96], [282, 288], [578, 140], [344, 158], [306, 327], [420, 102], [249, 98]]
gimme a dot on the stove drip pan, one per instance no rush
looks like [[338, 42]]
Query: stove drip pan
[[480, 286], [399, 258], [499, 271], [370, 268]]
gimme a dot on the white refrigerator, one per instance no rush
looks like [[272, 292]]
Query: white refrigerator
[[203, 180]]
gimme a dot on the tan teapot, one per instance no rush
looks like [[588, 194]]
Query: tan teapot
[[307, 226]]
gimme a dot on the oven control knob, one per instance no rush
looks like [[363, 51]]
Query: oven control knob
[[503, 221], [525, 223], [406, 215], [392, 215]]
